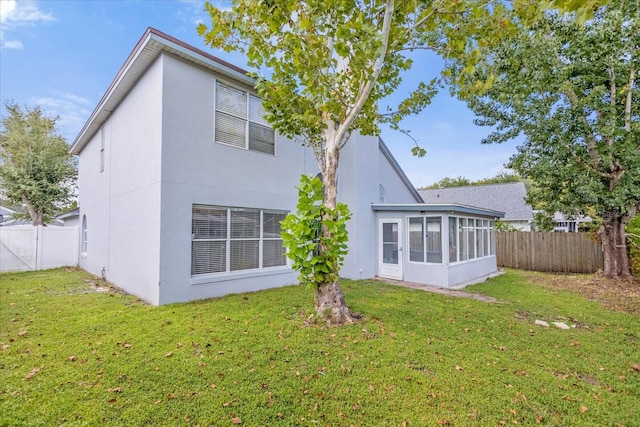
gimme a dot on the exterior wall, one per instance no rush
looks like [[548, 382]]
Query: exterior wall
[[71, 222], [468, 272], [358, 188], [122, 203], [196, 170], [363, 168]]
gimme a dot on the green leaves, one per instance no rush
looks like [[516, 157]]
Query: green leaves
[[566, 87], [569, 89], [36, 168], [316, 236], [330, 60]]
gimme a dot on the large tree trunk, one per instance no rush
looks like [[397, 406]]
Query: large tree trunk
[[35, 214], [614, 244], [330, 303]]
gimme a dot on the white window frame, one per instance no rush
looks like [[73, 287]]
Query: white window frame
[[481, 233], [229, 239], [246, 118]]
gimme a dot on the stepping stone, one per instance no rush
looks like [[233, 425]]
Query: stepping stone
[[561, 325], [541, 323]]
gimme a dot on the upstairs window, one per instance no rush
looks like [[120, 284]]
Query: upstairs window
[[240, 122]]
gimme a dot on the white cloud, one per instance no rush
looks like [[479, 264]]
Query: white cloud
[[15, 14], [12, 44], [71, 109]]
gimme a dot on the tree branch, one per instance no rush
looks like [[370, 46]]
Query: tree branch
[[592, 144], [612, 100], [339, 136], [627, 107]]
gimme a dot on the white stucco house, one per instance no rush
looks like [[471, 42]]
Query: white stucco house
[[182, 185]]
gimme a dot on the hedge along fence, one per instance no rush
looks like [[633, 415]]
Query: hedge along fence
[[549, 252]]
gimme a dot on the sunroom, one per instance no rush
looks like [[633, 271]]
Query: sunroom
[[448, 245]]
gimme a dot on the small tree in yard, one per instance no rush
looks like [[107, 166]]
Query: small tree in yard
[[36, 168], [571, 89]]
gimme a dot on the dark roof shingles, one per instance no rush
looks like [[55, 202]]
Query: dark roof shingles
[[508, 198]]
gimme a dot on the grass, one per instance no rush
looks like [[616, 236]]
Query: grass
[[73, 356]]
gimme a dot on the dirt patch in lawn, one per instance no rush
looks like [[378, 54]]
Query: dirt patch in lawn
[[615, 294]]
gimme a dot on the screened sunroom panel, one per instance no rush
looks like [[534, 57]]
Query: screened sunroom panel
[[416, 239]]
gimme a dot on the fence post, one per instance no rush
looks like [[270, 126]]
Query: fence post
[[39, 239]]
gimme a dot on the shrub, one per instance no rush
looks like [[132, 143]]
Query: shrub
[[633, 233]]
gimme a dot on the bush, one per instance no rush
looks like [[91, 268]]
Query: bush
[[633, 232]]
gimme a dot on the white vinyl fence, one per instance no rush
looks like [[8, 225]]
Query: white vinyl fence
[[25, 247]]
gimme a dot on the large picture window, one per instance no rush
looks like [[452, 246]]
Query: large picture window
[[425, 239], [232, 239], [240, 122]]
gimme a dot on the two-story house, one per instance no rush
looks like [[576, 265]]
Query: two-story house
[[183, 184]]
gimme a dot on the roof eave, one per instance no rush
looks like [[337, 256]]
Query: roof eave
[[426, 207], [148, 48]]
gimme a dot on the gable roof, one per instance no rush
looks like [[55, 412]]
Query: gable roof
[[6, 211], [396, 167], [69, 214], [149, 47], [508, 198]]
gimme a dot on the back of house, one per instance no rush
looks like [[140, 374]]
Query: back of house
[[182, 183]]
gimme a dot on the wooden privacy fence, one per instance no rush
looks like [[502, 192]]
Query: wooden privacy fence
[[557, 252]]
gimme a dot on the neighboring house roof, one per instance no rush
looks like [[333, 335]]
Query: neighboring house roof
[[6, 211], [508, 198], [150, 45], [560, 217], [6, 214], [70, 214]]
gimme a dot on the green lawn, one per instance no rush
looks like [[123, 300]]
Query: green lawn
[[73, 356]]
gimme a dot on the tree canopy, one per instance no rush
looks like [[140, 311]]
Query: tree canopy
[[36, 169], [570, 89], [460, 181], [329, 63]]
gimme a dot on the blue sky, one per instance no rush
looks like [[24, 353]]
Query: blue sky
[[63, 54]]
